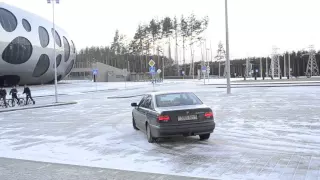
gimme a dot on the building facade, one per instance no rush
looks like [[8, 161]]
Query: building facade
[[26, 47], [104, 72]]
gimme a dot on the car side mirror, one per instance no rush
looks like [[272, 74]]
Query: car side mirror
[[134, 104]]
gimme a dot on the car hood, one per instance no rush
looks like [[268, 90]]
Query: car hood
[[176, 108]]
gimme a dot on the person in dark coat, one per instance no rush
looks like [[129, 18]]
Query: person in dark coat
[[27, 91], [14, 95], [3, 94]]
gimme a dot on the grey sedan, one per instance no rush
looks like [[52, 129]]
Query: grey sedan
[[163, 114]]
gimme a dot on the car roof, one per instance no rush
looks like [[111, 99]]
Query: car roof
[[167, 92]]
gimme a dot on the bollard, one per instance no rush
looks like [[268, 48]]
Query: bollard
[[280, 76], [288, 76]]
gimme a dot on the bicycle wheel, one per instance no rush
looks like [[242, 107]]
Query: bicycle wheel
[[21, 102], [29, 102], [1, 104], [9, 103]]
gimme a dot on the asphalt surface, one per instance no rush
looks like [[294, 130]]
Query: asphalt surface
[[15, 169], [261, 133]]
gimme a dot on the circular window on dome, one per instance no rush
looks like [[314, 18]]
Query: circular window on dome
[[56, 37], [18, 51], [7, 20], [73, 47], [69, 68], [66, 49], [43, 36], [58, 59], [26, 25], [42, 66]]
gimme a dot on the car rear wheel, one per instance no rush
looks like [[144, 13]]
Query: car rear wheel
[[134, 124], [149, 135], [204, 136]]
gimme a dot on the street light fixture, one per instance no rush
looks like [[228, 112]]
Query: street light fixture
[[54, 50], [227, 48]]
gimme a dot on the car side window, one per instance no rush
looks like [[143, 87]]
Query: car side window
[[142, 101], [148, 103]]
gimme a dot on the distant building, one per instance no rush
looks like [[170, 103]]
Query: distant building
[[105, 73], [26, 48]]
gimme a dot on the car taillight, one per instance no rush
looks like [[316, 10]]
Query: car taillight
[[164, 118], [208, 115]]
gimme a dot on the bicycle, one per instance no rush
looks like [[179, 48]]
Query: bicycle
[[2, 104], [13, 103]]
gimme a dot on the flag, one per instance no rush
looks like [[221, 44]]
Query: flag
[[49, 1], [57, 1]]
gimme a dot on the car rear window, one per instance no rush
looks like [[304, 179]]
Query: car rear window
[[177, 99]]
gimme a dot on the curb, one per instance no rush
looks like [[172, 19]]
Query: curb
[[124, 97], [260, 86], [267, 83], [37, 107]]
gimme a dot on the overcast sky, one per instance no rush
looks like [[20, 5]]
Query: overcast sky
[[255, 25]]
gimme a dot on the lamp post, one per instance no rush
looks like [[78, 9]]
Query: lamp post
[[162, 69], [54, 50], [227, 48]]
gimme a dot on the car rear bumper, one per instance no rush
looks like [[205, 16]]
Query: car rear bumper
[[183, 130]]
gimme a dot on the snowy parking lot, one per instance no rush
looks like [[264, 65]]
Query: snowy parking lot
[[267, 133]]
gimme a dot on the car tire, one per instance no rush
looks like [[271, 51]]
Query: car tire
[[204, 137], [134, 124], [149, 134]]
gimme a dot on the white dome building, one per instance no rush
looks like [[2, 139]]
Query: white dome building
[[26, 47]]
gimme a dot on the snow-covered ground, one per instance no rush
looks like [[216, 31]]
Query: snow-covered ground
[[261, 133]]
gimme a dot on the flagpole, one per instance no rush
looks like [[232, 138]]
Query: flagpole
[[227, 48], [54, 50]]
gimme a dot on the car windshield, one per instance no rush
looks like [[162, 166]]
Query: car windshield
[[177, 99]]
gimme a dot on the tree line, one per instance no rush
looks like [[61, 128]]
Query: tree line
[[152, 40], [139, 63]]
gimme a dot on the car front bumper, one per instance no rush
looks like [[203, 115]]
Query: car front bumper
[[183, 130]]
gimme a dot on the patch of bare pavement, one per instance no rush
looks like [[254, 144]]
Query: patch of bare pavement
[[20, 108], [26, 170]]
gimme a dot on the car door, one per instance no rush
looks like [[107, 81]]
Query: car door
[[151, 114], [139, 113], [144, 110]]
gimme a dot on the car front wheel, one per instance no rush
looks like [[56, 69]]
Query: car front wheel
[[204, 136]]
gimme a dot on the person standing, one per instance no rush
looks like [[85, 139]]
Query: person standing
[[27, 91], [3, 94], [14, 93]]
